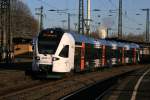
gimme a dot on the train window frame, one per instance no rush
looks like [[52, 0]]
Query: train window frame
[[64, 52], [97, 53], [113, 53], [17, 49]]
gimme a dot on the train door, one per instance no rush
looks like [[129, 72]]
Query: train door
[[103, 55], [130, 56], [134, 55], [92, 62], [108, 56], [100, 56], [82, 65], [123, 56], [62, 62], [79, 60], [87, 56], [97, 56], [119, 55], [137, 55], [113, 55], [77, 57]]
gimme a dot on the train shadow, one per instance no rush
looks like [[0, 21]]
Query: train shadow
[[16, 66]]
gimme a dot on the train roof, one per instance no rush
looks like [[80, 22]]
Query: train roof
[[113, 43], [82, 38], [141, 44], [107, 41]]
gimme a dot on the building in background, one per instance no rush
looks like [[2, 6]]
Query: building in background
[[102, 32], [22, 50]]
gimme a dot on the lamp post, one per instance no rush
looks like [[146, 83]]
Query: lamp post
[[147, 23]]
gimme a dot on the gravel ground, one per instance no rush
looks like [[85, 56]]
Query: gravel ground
[[55, 89]]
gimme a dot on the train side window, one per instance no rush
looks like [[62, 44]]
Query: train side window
[[17, 48], [32, 47], [64, 52]]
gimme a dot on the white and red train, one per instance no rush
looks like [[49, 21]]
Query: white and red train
[[56, 51]]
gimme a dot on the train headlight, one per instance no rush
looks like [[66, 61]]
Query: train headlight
[[37, 58], [55, 58]]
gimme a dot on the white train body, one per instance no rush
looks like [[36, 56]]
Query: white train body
[[65, 62], [60, 52], [61, 60]]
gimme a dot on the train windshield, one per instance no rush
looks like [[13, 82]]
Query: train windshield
[[48, 41]]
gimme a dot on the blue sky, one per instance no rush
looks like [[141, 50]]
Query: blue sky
[[130, 8]]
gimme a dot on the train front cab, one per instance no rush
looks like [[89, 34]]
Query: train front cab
[[59, 62], [63, 59]]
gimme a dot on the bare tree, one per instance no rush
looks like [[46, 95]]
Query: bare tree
[[23, 23], [135, 37]]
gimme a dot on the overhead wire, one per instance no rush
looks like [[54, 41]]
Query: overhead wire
[[125, 15], [46, 3], [110, 1]]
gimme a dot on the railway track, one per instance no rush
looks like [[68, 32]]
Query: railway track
[[56, 89], [125, 88], [22, 92], [95, 91], [98, 90], [15, 90], [42, 90]]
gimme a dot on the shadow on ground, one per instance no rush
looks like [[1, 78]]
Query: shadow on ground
[[15, 66]]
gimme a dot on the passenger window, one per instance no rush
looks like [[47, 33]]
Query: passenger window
[[32, 47], [65, 51]]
